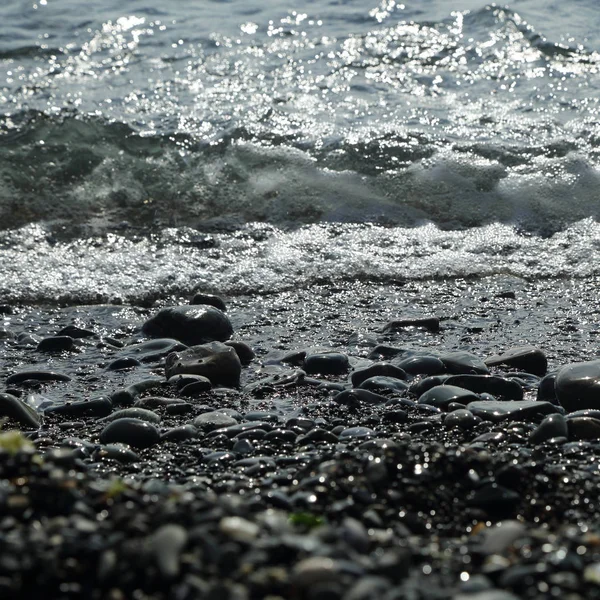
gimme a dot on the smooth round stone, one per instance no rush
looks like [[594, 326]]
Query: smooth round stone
[[96, 407], [379, 369], [262, 415], [135, 412], [121, 364], [215, 361], [213, 420], [380, 383], [590, 412], [583, 428], [180, 434], [243, 446], [210, 300], [182, 380], [76, 332], [135, 432], [19, 378], [326, 363], [462, 362], [491, 384], [422, 365], [511, 410], [196, 388], [153, 350], [356, 433], [191, 325], [461, 419], [127, 396], [420, 387], [57, 343], [243, 350], [499, 538], [577, 386], [442, 395], [552, 426], [317, 435], [15, 408], [355, 397], [524, 358], [546, 388], [118, 452], [151, 402]]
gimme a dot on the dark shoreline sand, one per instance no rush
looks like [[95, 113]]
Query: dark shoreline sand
[[406, 508]]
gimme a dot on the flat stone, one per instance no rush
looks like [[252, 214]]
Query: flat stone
[[442, 395], [355, 397], [135, 412], [511, 410], [213, 420], [380, 383], [577, 386], [492, 384], [524, 358], [152, 350], [96, 407], [383, 369], [462, 362], [422, 365], [121, 364], [215, 361], [191, 325], [19, 378]]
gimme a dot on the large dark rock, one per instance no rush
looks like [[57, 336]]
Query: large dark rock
[[384, 369], [135, 432], [191, 325], [577, 386], [511, 410], [523, 358], [15, 408]]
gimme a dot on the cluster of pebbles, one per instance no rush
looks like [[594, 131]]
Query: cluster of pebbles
[[311, 473]]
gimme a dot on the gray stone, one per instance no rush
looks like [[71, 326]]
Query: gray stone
[[524, 358], [191, 325], [135, 412], [462, 362], [215, 361], [491, 384], [166, 545], [442, 395], [552, 426], [213, 420], [380, 383], [511, 410], [577, 386], [326, 363], [15, 408]]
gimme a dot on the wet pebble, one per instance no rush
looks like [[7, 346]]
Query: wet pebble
[[191, 325], [525, 358], [217, 362], [511, 410], [577, 386], [15, 408], [379, 369], [135, 412], [166, 545], [442, 395], [20, 378], [213, 420], [121, 364], [552, 426], [422, 365], [491, 384], [380, 383], [461, 418], [135, 432], [210, 300], [326, 363], [57, 343], [462, 362]]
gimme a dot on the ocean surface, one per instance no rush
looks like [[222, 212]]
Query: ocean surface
[[150, 148]]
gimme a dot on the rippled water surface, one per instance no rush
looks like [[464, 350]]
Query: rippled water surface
[[255, 146]]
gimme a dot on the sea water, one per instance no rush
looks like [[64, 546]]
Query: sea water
[[151, 148]]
